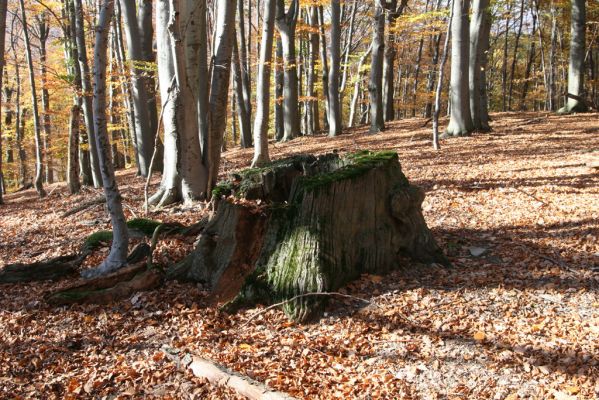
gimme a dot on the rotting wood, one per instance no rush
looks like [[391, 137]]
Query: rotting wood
[[221, 376]]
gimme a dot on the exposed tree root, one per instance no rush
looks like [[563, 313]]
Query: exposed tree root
[[123, 283], [54, 268]]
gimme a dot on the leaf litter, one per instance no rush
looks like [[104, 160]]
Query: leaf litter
[[517, 320]]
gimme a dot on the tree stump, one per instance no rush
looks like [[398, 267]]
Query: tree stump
[[309, 224]]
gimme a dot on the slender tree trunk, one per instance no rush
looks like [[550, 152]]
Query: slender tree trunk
[[73, 159], [480, 26], [375, 86], [460, 122], [120, 239], [574, 101], [243, 114], [515, 59], [20, 127], [86, 87], [146, 30], [279, 83], [335, 122], [263, 86], [324, 65], [145, 137], [417, 74], [170, 187], [219, 86], [505, 57], [312, 123], [437, 109], [430, 82], [245, 60], [356, 92], [529, 62], [3, 7], [286, 23], [552, 59], [43, 31], [36, 120]]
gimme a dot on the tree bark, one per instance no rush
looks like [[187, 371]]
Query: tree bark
[[219, 86], [515, 59], [145, 137], [43, 31], [286, 22], [480, 26], [335, 120], [574, 101], [306, 242], [261, 120], [460, 123], [86, 87], [39, 187], [73, 155], [3, 7], [243, 114], [117, 257], [375, 86], [437, 109]]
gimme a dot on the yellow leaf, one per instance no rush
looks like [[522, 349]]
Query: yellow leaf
[[479, 336], [562, 396], [572, 389], [245, 346]]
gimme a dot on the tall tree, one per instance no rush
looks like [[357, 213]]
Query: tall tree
[[86, 104], [460, 122], [263, 86], [143, 129], [35, 111], [43, 31], [335, 121], [574, 101], [3, 6], [120, 239], [480, 26], [286, 22], [375, 86]]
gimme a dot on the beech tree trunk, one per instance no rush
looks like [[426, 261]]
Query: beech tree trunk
[[3, 6], [480, 26], [375, 86], [43, 31], [143, 129], [261, 121], [39, 187], [574, 101], [460, 123], [335, 120], [219, 86], [117, 257], [286, 23], [328, 220], [86, 87], [73, 155]]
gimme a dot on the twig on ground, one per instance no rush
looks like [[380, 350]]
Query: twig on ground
[[84, 206], [300, 296]]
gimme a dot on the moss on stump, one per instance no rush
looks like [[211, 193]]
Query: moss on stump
[[320, 223]]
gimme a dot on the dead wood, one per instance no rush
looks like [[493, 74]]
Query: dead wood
[[52, 269], [221, 376], [84, 206]]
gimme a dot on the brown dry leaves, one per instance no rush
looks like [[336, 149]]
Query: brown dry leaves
[[520, 320]]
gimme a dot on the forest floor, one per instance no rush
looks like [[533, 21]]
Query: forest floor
[[520, 320]]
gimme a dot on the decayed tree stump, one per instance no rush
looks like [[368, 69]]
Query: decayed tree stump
[[315, 223]]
